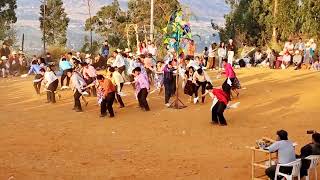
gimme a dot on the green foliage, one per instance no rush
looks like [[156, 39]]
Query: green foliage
[[86, 48], [56, 22], [110, 21], [310, 17], [56, 51], [7, 17], [252, 21]]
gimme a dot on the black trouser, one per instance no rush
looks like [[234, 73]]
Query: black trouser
[[119, 99], [271, 171], [168, 91], [217, 113], [37, 85], [203, 89], [51, 97], [63, 76], [107, 103], [77, 103], [142, 98], [174, 86]]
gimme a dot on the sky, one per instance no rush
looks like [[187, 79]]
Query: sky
[[28, 14]]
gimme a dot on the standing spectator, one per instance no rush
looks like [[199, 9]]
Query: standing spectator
[[49, 59], [272, 58], [286, 154], [119, 62], [143, 48], [88, 59], [205, 56], [222, 52], [191, 49], [5, 51], [231, 50], [105, 50]]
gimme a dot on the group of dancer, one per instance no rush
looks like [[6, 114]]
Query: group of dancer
[[125, 68]]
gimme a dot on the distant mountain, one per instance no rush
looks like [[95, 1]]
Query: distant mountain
[[28, 14]]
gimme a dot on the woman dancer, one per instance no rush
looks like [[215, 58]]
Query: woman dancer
[[189, 88], [51, 83]]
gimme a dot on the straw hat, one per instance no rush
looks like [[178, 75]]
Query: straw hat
[[130, 54], [3, 58], [14, 53], [88, 56], [118, 50], [127, 50], [281, 53], [311, 40], [297, 52]]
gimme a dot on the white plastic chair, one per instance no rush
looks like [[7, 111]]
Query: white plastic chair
[[296, 165], [313, 165]]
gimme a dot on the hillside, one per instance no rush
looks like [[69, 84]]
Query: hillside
[[28, 23]]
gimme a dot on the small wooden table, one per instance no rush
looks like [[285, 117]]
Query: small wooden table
[[262, 163]]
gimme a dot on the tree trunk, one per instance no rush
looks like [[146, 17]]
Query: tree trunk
[[274, 29]]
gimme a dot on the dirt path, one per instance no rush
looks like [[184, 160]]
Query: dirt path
[[41, 141]]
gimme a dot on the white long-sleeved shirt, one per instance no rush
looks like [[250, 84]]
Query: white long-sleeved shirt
[[117, 79], [222, 52], [77, 82], [49, 77], [119, 61]]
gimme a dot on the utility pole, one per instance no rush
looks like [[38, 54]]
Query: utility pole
[[89, 8], [44, 26], [152, 20]]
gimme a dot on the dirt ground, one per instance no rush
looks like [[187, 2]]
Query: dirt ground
[[44, 141]]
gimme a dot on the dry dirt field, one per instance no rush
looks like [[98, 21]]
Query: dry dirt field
[[51, 142]]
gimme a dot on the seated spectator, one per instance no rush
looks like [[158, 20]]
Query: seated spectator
[[297, 60], [286, 60], [257, 57], [316, 65], [307, 150], [286, 154]]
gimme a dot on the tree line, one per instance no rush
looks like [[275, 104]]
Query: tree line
[[264, 22]]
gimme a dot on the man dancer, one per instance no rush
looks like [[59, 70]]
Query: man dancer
[[78, 88], [142, 86], [118, 82], [168, 81], [108, 90], [89, 73], [65, 66]]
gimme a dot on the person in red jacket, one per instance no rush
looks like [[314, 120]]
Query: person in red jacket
[[221, 99]]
